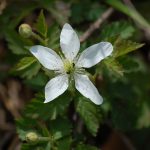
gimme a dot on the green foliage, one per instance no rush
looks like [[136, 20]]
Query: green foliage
[[36, 146], [65, 143], [127, 96], [27, 67], [116, 64], [130, 11], [45, 120], [123, 83], [122, 47], [78, 12], [38, 82], [24, 125], [86, 11], [127, 106], [122, 28], [114, 67], [24, 63], [29, 70], [117, 67], [90, 115], [15, 12], [85, 147], [144, 121], [95, 11], [60, 130], [129, 64], [41, 25], [53, 36], [16, 43], [117, 33], [38, 109]]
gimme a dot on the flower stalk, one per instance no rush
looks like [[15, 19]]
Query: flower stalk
[[25, 31], [39, 38]]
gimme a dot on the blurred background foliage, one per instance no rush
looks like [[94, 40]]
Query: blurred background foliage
[[122, 122]]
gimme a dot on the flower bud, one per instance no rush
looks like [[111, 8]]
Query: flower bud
[[25, 30], [32, 137]]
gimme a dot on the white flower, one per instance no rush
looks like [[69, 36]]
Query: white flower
[[71, 65]]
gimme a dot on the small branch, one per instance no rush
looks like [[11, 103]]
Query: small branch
[[129, 3], [3, 5], [96, 24]]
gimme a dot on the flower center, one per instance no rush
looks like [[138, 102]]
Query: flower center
[[68, 66]]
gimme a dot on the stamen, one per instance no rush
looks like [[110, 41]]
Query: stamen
[[80, 70], [68, 66]]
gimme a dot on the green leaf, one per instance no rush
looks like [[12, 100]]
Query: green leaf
[[37, 146], [30, 71], [82, 11], [38, 109], [38, 82], [144, 121], [113, 66], [15, 43], [117, 67], [118, 64], [53, 36], [28, 147], [95, 11], [122, 28], [86, 147], [18, 11], [122, 46], [124, 102], [129, 64], [65, 143], [24, 63], [89, 113], [27, 67], [60, 128], [44, 119], [41, 25], [24, 125], [48, 146]]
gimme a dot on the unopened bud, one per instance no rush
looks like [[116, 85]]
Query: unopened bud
[[25, 30], [32, 137]]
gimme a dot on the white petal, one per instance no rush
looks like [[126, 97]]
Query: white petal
[[86, 88], [69, 42], [94, 54], [47, 57], [56, 87]]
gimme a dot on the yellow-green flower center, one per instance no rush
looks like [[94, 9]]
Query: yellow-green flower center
[[68, 66]]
